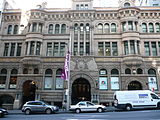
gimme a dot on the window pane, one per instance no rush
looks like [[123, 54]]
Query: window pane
[[147, 49], [144, 27], [81, 48], [49, 49], [87, 48], [38, 48], [154, 49], [126, 48], [113, 27], [107, 49], [151, 28], [132, 46], [48, 83], [6, 48], [55, 51], [75, 48], [114, 49], [12, 49], [19, 46], [100, 49], [62, 49], [32, 48]]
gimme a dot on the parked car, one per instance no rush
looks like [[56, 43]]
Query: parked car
[[38, 107], [85, 106], [3, 112], [136, 99]]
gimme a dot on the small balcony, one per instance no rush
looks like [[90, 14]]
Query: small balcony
[[133, 60], [31, 60]]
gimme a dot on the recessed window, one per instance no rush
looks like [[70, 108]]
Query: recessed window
[[127, 4]]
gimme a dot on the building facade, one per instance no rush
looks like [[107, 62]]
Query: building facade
[[112, 49]]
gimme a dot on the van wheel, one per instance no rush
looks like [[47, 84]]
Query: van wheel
[[158, 105], [128, 107]]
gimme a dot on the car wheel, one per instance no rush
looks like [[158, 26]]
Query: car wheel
[[78, 110], [27, 112], [128, 107], [99, 110], [1, 115], [48, 111]]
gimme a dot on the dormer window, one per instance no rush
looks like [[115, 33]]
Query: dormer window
[[127, 4]]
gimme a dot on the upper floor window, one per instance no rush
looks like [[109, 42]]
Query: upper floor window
[[50, 29], [100, 28], [151, 28], [157, 27], [57, 28], [9, 29], [106, 28], [144, 27], [127, 71], [34, 27], [63, 29], [113, 27], [15, 31]]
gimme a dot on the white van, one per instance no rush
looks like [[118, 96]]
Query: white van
[[136, 99]]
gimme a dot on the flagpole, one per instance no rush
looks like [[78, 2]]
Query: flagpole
[[68, 83]]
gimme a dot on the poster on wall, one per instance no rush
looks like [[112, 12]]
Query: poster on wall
[[103, 83], [59, 83], [152, 83], [48, 82], [114, 83]]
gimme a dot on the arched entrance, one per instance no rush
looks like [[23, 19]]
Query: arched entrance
[[29, 89], [81, 90], [134, 85]]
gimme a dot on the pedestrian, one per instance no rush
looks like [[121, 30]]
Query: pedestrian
[[64, 105]]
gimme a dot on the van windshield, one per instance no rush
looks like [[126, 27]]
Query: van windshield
[[154, 96]]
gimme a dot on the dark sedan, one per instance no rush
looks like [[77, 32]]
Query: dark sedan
[[3, 112]]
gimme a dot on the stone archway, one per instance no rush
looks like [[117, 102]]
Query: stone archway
[[81, 90], [135, 85], [29, 89]]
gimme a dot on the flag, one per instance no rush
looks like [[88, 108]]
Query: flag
[[66, 68]]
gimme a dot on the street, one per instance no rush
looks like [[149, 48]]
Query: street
[[120, 115]]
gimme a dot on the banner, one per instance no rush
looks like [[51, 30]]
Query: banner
[[152, 83], [103, 83], [65, 71]]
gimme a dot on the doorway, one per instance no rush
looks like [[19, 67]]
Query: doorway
[[134, 85], [29, 89], [81, 90]]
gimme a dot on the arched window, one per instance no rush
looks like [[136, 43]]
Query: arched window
[[15, 31], [151, 72], [152, 80], [13, 79], [151, 28], [76, 27], [87, 27], [103, 82], [57, 28], [40, 26], [124, 26], [25, 71], [50, 29], [157, 27], [36, 71], [127, 71], [144, 27], [100, 28], [113, 27], [127, 4], [114, 79], [59, 81], [3, 77], [106, 28], [9, 31], [139, 71], [63, 29], [48, 81]]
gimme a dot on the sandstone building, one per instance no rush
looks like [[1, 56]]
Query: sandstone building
[[112, 48]]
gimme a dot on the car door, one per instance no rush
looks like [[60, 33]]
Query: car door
[[39, 107], [91, 107], [82, 106]]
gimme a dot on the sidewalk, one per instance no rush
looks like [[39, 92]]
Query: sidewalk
[[109, 109]]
